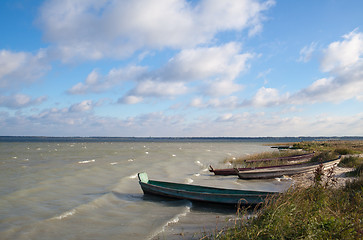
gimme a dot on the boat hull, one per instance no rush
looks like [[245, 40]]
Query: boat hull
[[202, 193], [284, 170], [232, 171]]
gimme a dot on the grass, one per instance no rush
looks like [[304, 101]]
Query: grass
[[317, 212], [339, 147]]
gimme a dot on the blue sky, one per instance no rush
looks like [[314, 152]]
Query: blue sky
[[181, 68]]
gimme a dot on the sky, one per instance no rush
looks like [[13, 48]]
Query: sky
[[181, 68]]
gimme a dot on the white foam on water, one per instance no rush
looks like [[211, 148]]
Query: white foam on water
[[133, 176], [174, 220], [87, 161], [15, 157], [146, 152], [66, 214], [173, 155], [130, 160], [197, 174], [114, 163], [205, 170], [199, 163]]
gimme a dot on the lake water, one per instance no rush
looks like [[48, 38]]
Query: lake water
[[90, 190]]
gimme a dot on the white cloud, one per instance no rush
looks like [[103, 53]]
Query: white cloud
[[343, 61], [214, 69], [130, 100], [92, 29], [307, 52], [267, 97], [340, 56], [230, 102], [18, 69], [221, 87], [116, 77], [83, 106], [150, 88], [20, 101]]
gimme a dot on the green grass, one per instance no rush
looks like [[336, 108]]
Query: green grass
[[324, 156], [340, 147], [317, 212], [320, 211], [353, 162]]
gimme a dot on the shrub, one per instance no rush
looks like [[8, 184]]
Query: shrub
[[324, 156], [317, 212], [348, 162], [343, 151]]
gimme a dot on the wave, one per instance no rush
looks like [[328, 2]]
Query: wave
[[199, 163], [87, 161], [66, 214], [133, 176], [173, 220]]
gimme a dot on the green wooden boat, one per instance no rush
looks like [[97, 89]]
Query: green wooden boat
[[201, 193]]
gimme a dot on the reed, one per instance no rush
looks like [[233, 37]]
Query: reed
[[340, 147], [317, 212]]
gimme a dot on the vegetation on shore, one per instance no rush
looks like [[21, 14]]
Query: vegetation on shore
[[324, 150], [316, 212], [320, 211]]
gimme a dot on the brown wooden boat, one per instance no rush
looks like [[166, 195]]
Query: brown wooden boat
[[289, 158], [285, 170], [232, 171]]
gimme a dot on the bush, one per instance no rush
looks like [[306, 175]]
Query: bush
[[343, 151], [317, 212], [349, 162], [324, 156], [357, 172]]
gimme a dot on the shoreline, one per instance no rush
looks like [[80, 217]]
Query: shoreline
[[339, 175], [307, 179]]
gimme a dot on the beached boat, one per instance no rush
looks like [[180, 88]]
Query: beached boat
[[288, 158], [285, 170], [201, 193], [232, 171]]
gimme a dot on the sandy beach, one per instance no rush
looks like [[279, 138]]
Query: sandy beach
[[339, 175]]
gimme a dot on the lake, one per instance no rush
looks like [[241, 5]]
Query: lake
[[90, 190]]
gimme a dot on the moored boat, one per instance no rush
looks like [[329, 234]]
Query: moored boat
[[285, 170], [232, 171], [201, 193], [288, 158]]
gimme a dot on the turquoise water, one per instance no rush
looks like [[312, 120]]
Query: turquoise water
[[89, 190]]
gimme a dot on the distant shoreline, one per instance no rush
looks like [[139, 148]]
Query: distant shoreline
[[171, 139]]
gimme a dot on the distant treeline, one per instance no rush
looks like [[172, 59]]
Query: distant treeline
[[170, 139]]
